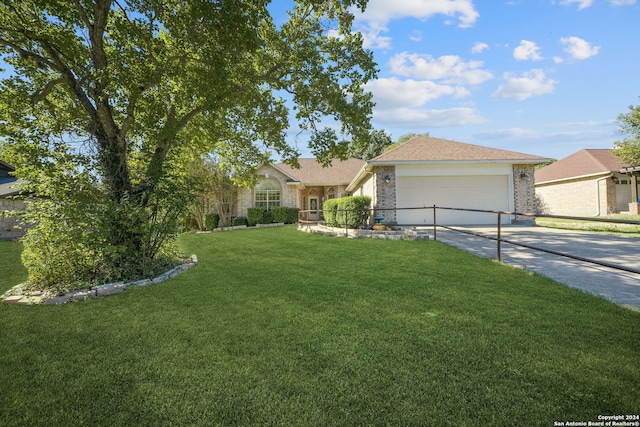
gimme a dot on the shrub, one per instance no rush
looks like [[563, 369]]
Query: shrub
[[255, 216], [280, 213], [350, 212], [211, 220], [292, 216], [239, 220], [329, 212]]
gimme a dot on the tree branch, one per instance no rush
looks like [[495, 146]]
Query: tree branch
[[41, 95]]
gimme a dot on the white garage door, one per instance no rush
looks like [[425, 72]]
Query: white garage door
[[486, 192]]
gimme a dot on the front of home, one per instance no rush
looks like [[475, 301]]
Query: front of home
[[590, 182], [419, 173], [305, 188]]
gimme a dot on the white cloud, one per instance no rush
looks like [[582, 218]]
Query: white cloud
[[416, 36], [423, 118], [532, 83], [372, 37], [527, 51], [479, 47], [622, 2], [383, 11], [392, 93], [450, 69], [578, 48], [582, 4], [373, 22]]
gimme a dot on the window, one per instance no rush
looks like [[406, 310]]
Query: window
[[267, 194]]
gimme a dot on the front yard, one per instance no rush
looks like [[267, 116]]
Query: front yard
[[279, 327]]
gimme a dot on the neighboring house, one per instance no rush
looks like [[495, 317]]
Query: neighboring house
[[421, 172], [586, 183], [426, 171], [305, 188], [9, 186]]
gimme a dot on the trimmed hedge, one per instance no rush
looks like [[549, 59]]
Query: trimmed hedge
[[276, 214], [239, 220], [350, 212], [211, 221], [285, 214]]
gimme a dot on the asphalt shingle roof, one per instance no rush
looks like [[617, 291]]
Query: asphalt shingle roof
[[341, 172], [428, 149], [582, 163]]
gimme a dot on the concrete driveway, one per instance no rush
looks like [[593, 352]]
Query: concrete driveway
[[617, 286]]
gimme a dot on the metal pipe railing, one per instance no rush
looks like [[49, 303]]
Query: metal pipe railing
[[499, 240]]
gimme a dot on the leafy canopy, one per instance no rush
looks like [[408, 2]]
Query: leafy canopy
[[628, 149], [105, 101]]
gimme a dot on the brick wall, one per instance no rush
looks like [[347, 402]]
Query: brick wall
[[386, 192], [577, 197], [524, 198], [288, 194]]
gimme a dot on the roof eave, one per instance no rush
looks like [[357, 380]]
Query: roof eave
[[362, 173], [448, 162], [604, 174]]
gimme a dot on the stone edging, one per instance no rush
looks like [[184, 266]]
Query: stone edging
[[108, 289], [403, 234]]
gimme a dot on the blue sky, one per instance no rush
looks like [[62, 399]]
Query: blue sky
[[544, 77]]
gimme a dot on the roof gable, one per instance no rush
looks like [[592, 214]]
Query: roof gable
[[428, 149], [340, 172], [582, 163]]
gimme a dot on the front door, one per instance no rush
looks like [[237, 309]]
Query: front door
[[314, 214]]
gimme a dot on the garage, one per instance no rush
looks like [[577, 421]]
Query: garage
[[485, 192]]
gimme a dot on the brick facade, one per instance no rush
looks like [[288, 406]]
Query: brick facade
[[524, 197], [385, 193], [578, 197], [288, 194]]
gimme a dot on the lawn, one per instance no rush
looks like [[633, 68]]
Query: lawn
[[628, 230], [280, 327]]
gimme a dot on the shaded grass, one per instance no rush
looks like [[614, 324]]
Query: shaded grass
[[278, 327]]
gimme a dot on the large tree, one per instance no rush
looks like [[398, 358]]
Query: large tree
[[628, 149], [379, 140], [103, 97]]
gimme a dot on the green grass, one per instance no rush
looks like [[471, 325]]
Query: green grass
[[279, 327], [627, 230]]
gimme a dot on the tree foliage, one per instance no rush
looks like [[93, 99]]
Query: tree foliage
[[103, 99], [379, 140], [628, 149]]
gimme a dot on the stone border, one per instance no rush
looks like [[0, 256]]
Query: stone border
[[39, 297], [402, 234]]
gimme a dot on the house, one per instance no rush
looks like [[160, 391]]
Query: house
[[421, 172], [9, 187], [589, 182], [304, 188], [426, 171]]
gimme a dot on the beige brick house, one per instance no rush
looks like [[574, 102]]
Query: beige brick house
[[9, 187], [305, 188], [586, 183], [426, 171], [421, 172]]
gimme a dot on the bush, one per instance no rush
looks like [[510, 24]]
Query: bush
[[330, 211], [211, 220], [279, 213], [255, 216], [350, 212], [292, 216], [239, 220]]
